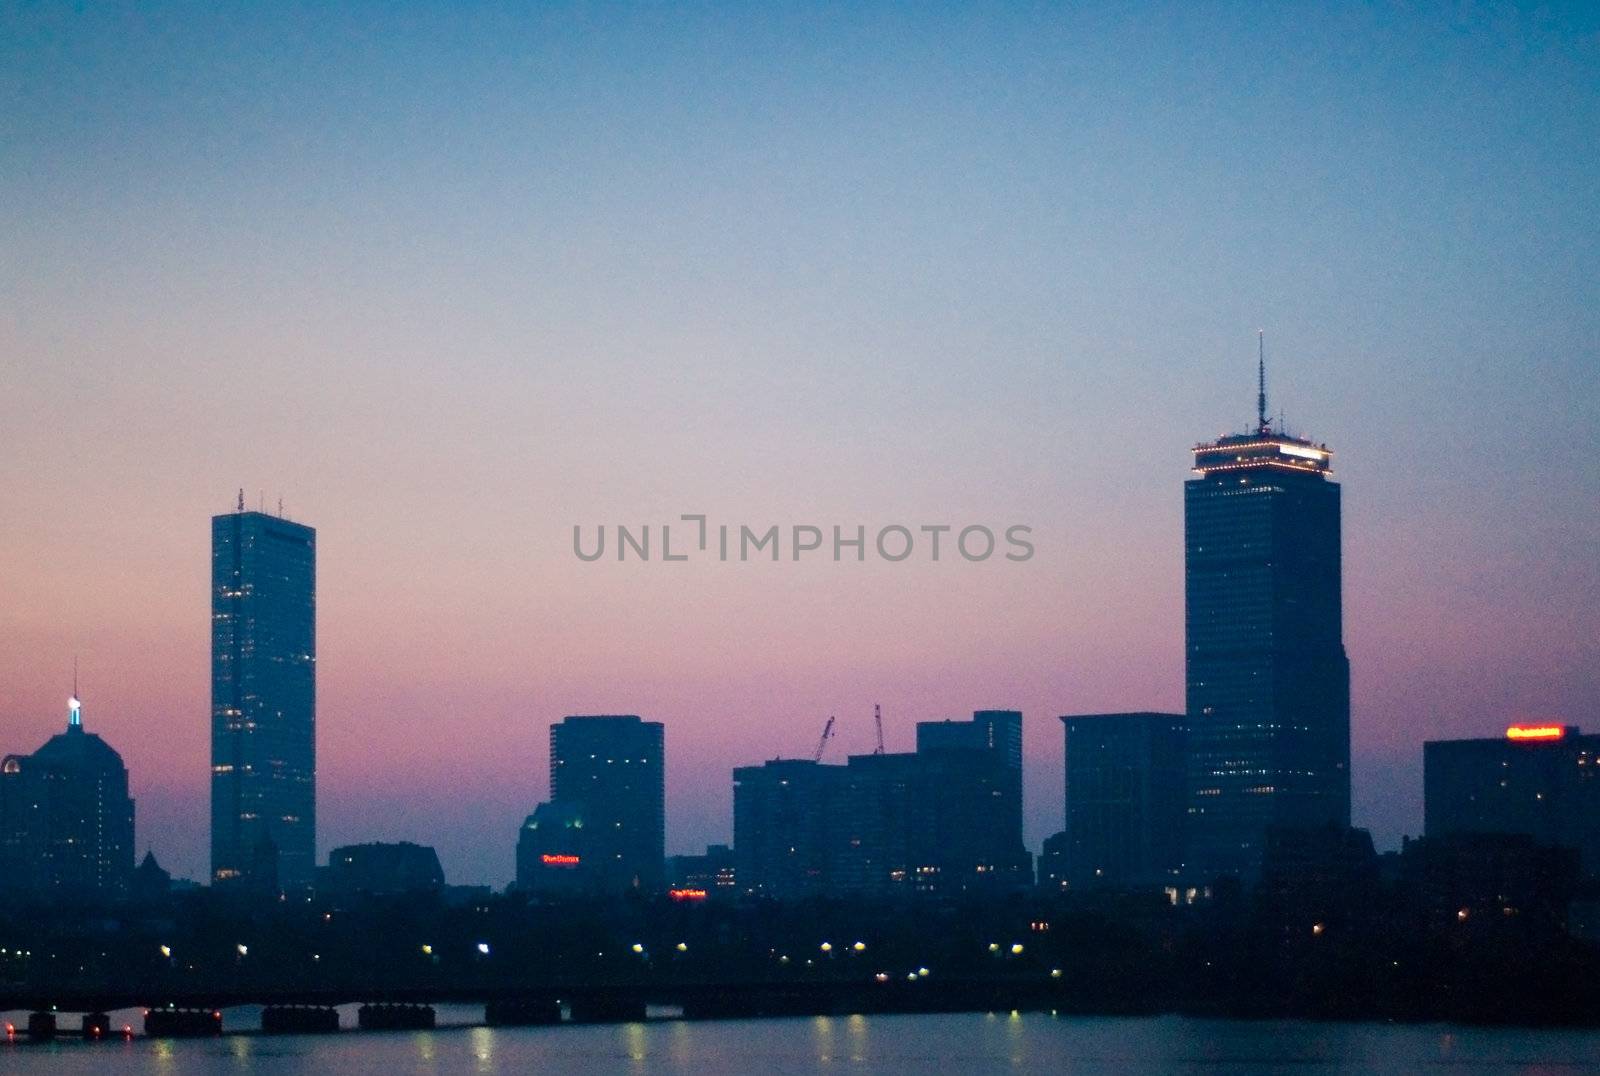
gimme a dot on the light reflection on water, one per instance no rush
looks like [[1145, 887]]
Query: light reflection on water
[[977, 1043]]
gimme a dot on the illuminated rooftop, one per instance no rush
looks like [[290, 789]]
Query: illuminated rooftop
[[1264, 449]]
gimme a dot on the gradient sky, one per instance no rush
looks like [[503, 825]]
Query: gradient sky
[[451, 278]]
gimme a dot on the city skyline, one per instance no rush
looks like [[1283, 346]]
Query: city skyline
[[986, 266]]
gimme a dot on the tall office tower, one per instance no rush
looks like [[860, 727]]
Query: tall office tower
[[1268, 683], [944, 820], [263, 700], [611, 770], [998, 732], [786, 827], [66, 820], [1125, 800]]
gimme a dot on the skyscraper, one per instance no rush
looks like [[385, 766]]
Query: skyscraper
[[604, 829], [1125, 800], [66, 819], [1268, 684], [786, 827], [263, 699]]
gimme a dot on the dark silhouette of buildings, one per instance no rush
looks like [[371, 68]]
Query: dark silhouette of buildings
[[66, 819], [263, 696], [1125, 800], [1268, 683], [945, 819], [1542, 781], [151, 882], [604, 829], [382, 869], [554, 854], [1474, 879], [1051, 868], [713, 874]]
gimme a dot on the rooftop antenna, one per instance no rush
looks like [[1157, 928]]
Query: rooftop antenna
[[280, 507], [74, 707], [877, 721], [241, 498], [1261, 381]]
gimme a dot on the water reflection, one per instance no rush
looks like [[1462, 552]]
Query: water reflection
[[922, 1045]]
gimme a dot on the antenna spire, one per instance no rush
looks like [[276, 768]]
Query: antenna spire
[[241, 498], [74, 707], [1261, 381]]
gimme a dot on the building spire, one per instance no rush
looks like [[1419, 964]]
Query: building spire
[[1261, 381], [74, 707]]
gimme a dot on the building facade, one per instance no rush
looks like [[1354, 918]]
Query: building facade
[[607, 808], [945, 819], [382, 869], [263, 700], [786, 824], [1125, 800], [1268, 683], [66, 820], [712, 874], [1539, 781]]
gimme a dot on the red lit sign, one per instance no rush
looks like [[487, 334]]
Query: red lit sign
[[687, 894], [559, 860], [1535, 732]]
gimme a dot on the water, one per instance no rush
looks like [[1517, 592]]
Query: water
[[922, 1045]]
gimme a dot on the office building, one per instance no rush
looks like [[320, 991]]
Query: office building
[[1268, 684], [786, 828], [263, 700], [945, 819], [1541, 781], [66, 819], [1125, 800], [698, 877], [607, 808], [382, 869], [553, 851]]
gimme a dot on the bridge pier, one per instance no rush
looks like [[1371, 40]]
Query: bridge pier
[[522, 1012], [299, 1019], [41, 1026], [182, 1023], [386, 1017], [606, 1009], [96, 1025]]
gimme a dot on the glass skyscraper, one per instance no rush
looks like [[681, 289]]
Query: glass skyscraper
[[1268, 684], [263, 700]]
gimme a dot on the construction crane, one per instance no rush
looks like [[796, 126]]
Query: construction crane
[[822, 742], [877, 721]]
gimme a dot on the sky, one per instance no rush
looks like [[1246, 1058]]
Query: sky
[[451, 279]]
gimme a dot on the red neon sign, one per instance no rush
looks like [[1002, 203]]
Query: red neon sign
[[559, 860], [1535, 732], [687, 894]]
